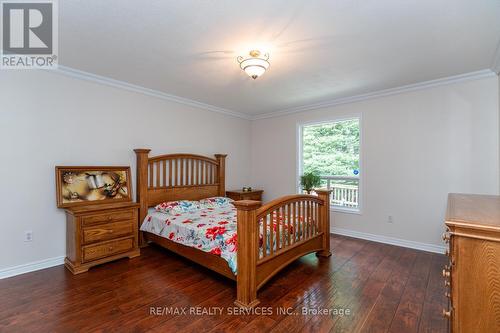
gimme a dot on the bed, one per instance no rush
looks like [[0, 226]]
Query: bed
[[269, 236]]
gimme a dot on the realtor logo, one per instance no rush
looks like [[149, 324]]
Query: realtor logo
[[29, 35]]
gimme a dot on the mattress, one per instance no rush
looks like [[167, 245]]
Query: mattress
[[212, 230]]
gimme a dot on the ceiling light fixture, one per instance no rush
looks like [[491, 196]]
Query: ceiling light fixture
[[255, 65]]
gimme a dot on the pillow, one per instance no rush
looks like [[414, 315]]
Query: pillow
[[178, 207], [215, 202]]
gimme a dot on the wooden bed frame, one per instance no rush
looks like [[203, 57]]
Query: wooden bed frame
[[194, 177]]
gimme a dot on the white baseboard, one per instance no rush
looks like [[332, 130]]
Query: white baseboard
[[51, 262], [390, 240], [31, 267]]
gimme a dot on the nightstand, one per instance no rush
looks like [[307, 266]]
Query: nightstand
[[240, 195], [96, 234]]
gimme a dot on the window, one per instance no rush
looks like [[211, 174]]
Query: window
[[332, 150]]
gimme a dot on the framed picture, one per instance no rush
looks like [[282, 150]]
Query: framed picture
[[77, 185]]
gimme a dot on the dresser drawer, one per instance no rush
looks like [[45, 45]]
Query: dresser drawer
[[108, 217], [240, 195], [93, 252], [107, 231], [251, 196]]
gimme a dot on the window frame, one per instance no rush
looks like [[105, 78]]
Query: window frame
[[299, 132]]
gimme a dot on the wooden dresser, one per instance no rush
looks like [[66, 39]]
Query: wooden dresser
[[472, 277], [240, 195], [99, 233]]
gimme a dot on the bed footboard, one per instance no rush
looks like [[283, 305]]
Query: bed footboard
[[272, 236]]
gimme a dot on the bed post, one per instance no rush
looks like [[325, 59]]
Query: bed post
[[246, 280], [142, 188], [324, 195], [221, 175]]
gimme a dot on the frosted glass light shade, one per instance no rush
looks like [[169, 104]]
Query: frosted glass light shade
[[255, 65]]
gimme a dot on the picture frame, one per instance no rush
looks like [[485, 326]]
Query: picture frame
[[92, 185]]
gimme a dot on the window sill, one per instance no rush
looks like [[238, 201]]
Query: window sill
[[345, 210]]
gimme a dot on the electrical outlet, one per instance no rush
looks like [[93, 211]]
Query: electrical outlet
[[28, 236], [390, 219]]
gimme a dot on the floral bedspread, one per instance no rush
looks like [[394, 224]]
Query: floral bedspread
[[212, 230]]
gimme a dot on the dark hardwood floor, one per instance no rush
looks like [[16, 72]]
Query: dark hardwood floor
[[385, 288]]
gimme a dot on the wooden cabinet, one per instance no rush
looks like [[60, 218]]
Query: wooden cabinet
[[96, 234], [472, 276], [240, 195]]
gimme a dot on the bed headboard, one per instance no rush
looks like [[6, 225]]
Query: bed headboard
[[177, 177]]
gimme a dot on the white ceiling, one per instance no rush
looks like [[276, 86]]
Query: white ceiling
[[319, 50]]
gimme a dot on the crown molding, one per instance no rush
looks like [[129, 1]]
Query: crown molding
[[82, 75], [381, 93]]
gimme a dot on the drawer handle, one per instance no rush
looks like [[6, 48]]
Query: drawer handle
[[446, 314], [110, 248], [110, 231], [446, 237], [447, 294], [109, 218], [446, 273]]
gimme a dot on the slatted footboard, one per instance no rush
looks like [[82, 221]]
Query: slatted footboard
[[272, 236]]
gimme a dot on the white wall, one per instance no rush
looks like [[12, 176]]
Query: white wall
[[48, 119], [417, 147]]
